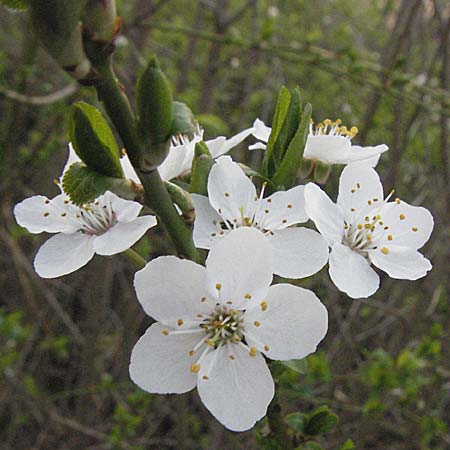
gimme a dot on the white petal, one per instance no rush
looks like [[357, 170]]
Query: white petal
[[351, 273], [218, 147], [292, 324], [370, 155], [63, 254], [298, 252], [122, 235], [124, 210], [170, 289], [360, 189], [241, 263], [327, 216], [230, 192], [207, 227], [409, 226], [38, 214], [161, 363], [261, 131], [282, 209], [236, 391], [401, 262], [257, 146], [331, 149], [128, 169]]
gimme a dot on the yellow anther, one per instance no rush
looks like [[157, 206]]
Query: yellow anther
[[354, 131], [204, 377], [367, 218], [213, 234], [284, 221], [47, 201], [269, 200], [266, 348], [66, 202], [256, 323], [344, 129], [46, 214], [360, 227], [229, 302], [252, 351], [327, 122], [227, 194], [402, 217], [264, 305], [352, 209], [55, 181], [192, 353], [266, 211], [358, 185], [337, 122], [384, 250], [289, 206], [195, 368], [414, 229], [63, 214], [165, 332], [397, 200], [218, 286], [200, 316], [386, 228], [369, 202], [369, 238], [123, 151], [353, 191], [203, 299], [233, 312], [210, 342], [248, 296], [180, 322], [390, 237], [232, 357]]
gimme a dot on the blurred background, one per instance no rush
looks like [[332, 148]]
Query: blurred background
[[382, 65]]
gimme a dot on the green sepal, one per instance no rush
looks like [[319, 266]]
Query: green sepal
[[322, 172], [284, 98], [296, 421], [306, 167], [287, 171], [201, 166], [155, 105], [83, 185], [288, 129], [181, 198], [320, 421], [184, 121], [94, 141], [16, 5], [298, 365]]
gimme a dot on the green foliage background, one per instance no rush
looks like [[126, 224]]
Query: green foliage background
[[383, 368]]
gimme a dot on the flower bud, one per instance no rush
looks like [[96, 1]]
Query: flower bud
[[56, 24], [100, 21], [201, 166], [306, 167]]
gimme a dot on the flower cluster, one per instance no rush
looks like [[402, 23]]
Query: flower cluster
[[216, 325]]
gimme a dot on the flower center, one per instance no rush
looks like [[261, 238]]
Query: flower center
[[222, 326], [360, 237], [95, 218], [330, 128]]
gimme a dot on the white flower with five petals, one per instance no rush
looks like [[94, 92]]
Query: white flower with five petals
[[328, 142], [214, 325], [362, 229], [233, 203], [107, 226]]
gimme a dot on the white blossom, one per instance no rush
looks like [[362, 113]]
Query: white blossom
[[232, 203], [362, 229], [328, 142], [214, 325]]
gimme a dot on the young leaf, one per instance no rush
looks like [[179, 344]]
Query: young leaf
[[155, 104], [183, 120], [284, 98], [83, 185], [288, 129], [287, 171], [320, 421], [201, 165], [94, 141], [296, 421]]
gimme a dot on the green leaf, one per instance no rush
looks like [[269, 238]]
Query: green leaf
[[320, 421], [287, 172], [299, 365], [213, 125], [296, 421], [15, 5], [94, 141], [155, 104], [284, 98], [347, 445], [201, 166], [288, 129], [183, 120], [84, 185], [311, 446]]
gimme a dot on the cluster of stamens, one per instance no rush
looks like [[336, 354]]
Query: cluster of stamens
[[184, 138], [332, 128]]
